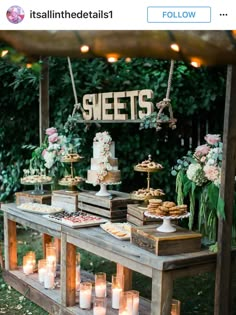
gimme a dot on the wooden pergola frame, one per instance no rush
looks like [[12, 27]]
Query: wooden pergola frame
[[223, 283]]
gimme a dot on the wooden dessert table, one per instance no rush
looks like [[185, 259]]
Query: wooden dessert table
[[162, 269]]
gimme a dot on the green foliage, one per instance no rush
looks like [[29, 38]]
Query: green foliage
[[193, 91]]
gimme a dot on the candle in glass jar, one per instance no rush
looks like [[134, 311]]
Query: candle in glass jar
[[100, 290], [41, 274], [99, 310], [135, 298], [85, 295], [28, 269], [49, 279], [77, 279], [116, 297]]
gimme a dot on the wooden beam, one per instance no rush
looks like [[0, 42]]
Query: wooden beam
[[44, 100], [223, 267]]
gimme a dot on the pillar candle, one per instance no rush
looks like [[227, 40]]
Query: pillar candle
[[116, 297], [99, 310]]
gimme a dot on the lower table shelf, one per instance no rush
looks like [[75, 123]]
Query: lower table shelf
[[50, 300]]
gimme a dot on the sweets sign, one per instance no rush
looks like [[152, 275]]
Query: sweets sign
[[118, 106]]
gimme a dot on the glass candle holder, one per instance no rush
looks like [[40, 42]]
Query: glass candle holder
[[99, 306], [117, 285], [126, 303], [41, 270], [100, 285], [32, 256], [77, 272], [49, 277], [135, 300], [28, 265], [85, 299], [51, 256], [175, 307]]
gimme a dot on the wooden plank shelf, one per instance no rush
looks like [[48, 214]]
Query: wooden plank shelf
[[50, 300], [27, 196]]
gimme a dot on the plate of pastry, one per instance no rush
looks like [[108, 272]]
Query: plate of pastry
[[39, 208], [121, 231]]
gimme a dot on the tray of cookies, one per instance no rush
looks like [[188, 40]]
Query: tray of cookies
[[121, 231]]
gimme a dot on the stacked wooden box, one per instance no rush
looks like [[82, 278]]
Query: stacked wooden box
[[135, 215], [68, 200], [162, 244], [114, 207], [27, 196]]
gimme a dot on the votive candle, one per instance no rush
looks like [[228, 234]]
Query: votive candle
[[85, 295]]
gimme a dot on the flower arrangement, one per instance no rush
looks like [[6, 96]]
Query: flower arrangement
[[49, 154], [198, 176], [104, 140]]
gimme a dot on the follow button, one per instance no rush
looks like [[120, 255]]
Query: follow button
[[178, 14]]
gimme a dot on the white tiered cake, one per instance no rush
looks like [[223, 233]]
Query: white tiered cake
[[104, 165]]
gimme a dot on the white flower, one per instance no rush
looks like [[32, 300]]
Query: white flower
[[49, 159], [195, 173]]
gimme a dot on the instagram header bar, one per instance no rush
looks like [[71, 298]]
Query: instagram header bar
[[108, 15]]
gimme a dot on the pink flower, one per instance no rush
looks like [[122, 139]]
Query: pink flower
[[211, 172], [51, 131], [202, 150], [44, 152], [212, 139], [53, 138]]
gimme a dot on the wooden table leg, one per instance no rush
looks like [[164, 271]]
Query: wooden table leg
[[127, 274], [68, 272], [162, 292], [10, 243], [46, 239], [57, 242]]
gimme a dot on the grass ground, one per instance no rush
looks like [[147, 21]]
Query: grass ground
[[196, 293]]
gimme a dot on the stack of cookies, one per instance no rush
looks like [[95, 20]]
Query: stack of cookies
[[166, 208]]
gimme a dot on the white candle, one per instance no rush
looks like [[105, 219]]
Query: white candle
[[49, 280], [135, 305], [130, 305], [116, 298], [28, 268], [85, 298], [100, 290], [41, 274], [99, 310]]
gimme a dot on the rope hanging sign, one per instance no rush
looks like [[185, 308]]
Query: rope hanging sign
[[112, 107]]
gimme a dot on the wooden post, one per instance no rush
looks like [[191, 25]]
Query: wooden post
[[68, 267], [44, 100], [46, 239], [10, 244], [223, 283], [162, 291], [127, 274]]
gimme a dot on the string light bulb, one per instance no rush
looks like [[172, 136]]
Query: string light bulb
[[128, 59], [112, 58], [234, 33], [84, 49], [195, 63], [29, 65], [175, 47], [4, 53]]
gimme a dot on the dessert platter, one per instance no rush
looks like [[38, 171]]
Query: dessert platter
[[38, 181], [76, 219], [146, 194], [39, 208], [71, 158], [104, 166], [121, 231], [68, 180], [167, 211]]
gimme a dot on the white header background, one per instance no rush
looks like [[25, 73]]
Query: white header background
[[127, 15]]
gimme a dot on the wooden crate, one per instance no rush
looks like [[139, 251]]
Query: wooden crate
[[68, 200], [162, 244], [27, 196], [114, 207], [135, 215]]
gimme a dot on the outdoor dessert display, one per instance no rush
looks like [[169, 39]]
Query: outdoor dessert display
[[76, 219], [104, 166], [37, 178], [166, 210], [147, 166], [71, 180]]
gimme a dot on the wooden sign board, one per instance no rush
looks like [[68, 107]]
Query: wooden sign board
[[126, 106]]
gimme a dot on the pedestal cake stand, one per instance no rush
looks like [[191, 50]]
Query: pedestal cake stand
[[103, 192], [166, 226]]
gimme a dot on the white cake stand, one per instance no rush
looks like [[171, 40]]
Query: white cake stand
[[166, 226], [103, 192]]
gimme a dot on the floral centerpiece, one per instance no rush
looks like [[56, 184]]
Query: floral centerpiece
[[49, 155], [198, 176]]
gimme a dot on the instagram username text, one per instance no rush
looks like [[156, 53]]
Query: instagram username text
[[52, 14]]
